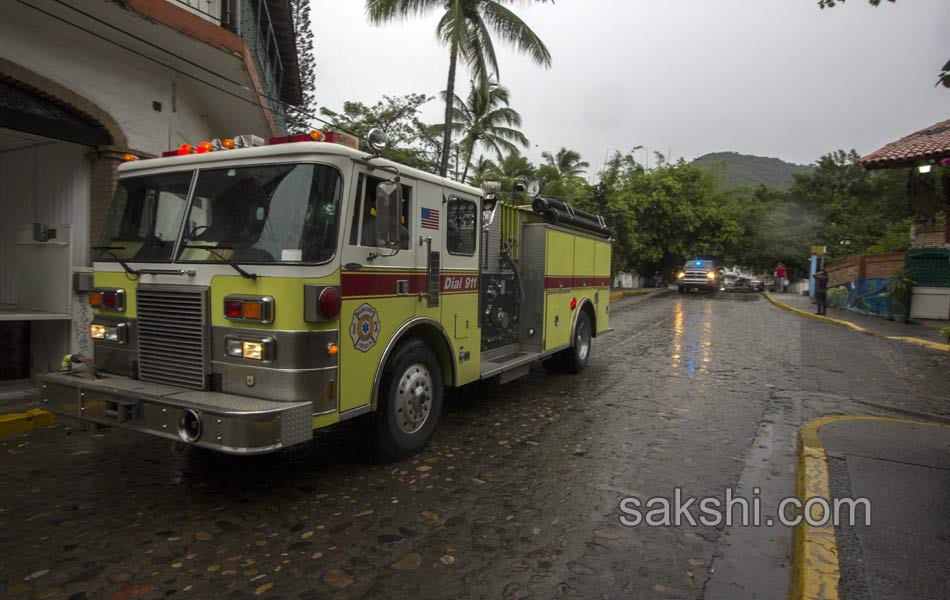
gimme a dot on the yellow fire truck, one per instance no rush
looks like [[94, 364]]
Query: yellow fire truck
[[246, 293]]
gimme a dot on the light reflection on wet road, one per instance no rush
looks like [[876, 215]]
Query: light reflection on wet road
[[517, 496]]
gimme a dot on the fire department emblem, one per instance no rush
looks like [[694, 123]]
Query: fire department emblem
[[364, 328]]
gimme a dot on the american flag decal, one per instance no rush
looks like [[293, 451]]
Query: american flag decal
[[430, 218]]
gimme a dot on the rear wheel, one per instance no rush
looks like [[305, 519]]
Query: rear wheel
[[410, 401], [576, 358]]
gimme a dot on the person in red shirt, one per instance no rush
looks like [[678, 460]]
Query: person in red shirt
[[781, 279]]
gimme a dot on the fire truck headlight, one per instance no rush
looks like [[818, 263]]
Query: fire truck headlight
[[258, 349], [711, 275], [253, 350], [680, 275], [116, 334]]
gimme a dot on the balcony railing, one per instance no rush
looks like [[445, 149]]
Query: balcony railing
[[207, 9]]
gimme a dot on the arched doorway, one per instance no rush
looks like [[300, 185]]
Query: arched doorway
[[57, 171]]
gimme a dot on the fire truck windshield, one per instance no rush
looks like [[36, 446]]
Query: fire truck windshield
[[145, 217], [276, 213]]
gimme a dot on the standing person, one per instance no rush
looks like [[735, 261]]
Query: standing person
[[657, 278], [821, 291], [781, 282]]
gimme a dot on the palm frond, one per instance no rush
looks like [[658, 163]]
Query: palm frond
[[382, 11], [514, 31]]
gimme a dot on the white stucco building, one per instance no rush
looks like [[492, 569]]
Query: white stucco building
[[85, 82]]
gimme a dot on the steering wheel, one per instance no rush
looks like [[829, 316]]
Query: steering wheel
[[194, 232]]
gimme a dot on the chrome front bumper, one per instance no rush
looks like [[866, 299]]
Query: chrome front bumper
[[228, 422]]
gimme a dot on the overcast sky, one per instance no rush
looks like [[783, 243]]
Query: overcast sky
[[686, 77]]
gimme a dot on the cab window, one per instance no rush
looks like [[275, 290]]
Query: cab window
[[461, 226], [363, 228]]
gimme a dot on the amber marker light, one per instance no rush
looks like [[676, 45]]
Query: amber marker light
[[254, 310], [228, 143], [316, 135], [129, 157], [332, 349]]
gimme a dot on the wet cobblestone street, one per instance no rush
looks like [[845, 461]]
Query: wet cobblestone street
[[516, 497]]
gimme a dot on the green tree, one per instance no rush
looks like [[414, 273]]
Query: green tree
[[483, 170], [409, 140], [663, 216], [562, 175], [485, 118], [301, 117], [853, 208], [466, 27], [566, 163], [513, 170]]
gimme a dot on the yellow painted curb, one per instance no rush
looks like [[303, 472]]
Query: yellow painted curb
[[815, 569], [643, 292], [23, 422], [850, 325]]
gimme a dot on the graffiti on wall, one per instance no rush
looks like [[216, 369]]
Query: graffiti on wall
[[865, 296]]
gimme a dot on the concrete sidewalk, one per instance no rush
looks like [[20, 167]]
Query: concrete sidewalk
[[902, 468], [924, 330]]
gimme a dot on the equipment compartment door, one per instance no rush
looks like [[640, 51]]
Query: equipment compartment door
[[557, 319], [602, 280]]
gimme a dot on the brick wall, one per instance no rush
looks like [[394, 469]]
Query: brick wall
[[874, 266], [927, 236], [844, 271], [104, 177], [883, 266]]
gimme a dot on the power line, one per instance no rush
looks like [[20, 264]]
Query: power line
[[92, 17]]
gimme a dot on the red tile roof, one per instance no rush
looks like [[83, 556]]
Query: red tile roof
[[930, 143]]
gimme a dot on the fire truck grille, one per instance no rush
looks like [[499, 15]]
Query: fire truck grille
[[173, 338]]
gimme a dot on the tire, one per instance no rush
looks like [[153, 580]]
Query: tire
[[579, 353], [576, 358], [410, 401]]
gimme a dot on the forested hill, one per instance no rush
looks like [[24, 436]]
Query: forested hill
[[744, 169]]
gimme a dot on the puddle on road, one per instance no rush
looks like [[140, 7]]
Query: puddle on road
[[692, 345]]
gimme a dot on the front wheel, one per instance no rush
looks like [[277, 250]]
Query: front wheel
[[410, 401]]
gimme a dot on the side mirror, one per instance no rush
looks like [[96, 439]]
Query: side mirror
[[388, 212]]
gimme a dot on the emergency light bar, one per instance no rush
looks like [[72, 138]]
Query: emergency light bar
[[251, 141]]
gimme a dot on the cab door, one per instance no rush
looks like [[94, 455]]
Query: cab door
[[460, 280], [379, 286]]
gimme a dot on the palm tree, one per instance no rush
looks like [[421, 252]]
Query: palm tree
[[464, 28], [484, 169], [486, 118], [513, 170], [567, 163]]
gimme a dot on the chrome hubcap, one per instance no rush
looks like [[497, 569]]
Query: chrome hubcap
[[413, 398], [583, 342]]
